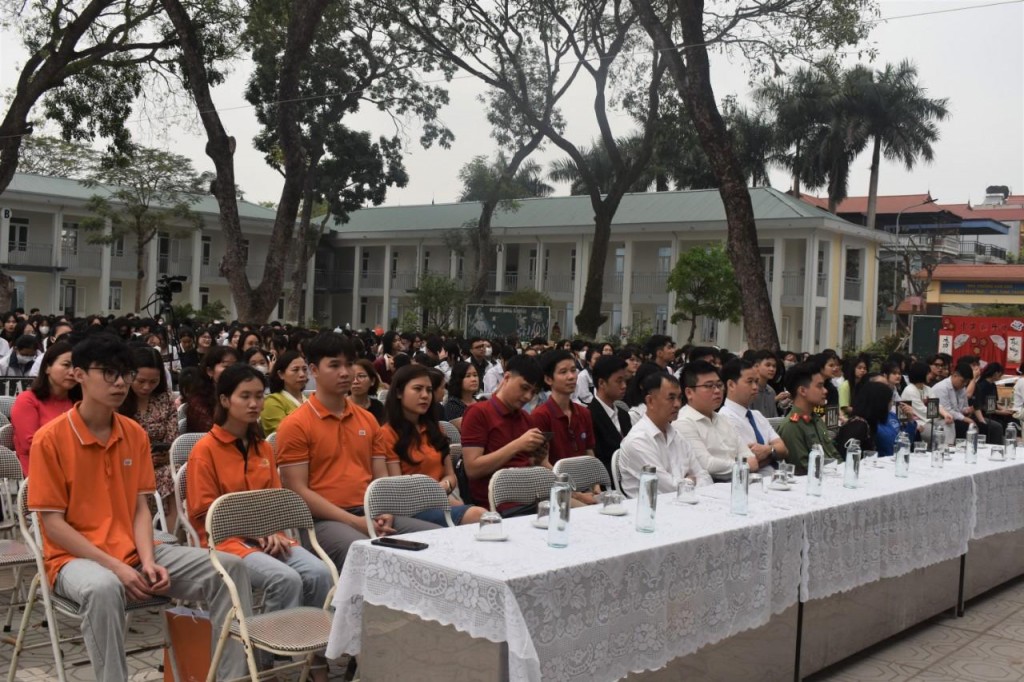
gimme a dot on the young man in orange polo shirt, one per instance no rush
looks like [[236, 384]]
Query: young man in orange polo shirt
[[326, 450], [90, 472]]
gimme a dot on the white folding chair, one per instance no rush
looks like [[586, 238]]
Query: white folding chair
[[13, 554], [454, 436], [617, 471], [182, 426], [181, 504], [299, 631], [776, 422], [6, 403], [403, 496], [7, 436], [525, 485], [181, 448], [584, 472], [272, 441]]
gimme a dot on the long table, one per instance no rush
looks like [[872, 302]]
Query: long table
[[617, 601]]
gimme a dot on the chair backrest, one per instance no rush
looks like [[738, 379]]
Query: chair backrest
[[776, 422], [404, 496], [10, 476], [7, 436], [4, 421], [382, 394], [10, 466], [181, 504], [449, 430], [6, 403], [272, 441], [256, 514], [525, 485], [181, 448], [617, 471], [182, 410], [621, 405], [182, 426], [585, 472], [30, 533]]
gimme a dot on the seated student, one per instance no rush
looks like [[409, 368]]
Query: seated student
[[803, 428], [611, 423], [52, 394], [414, 444], [90, 473], [654, 441], [869, 411], [888, 430], [232, 458], [712, 437], [23, 358], [326, 452], [202, 399], [741, 390], [497, 433], [462, 390], [364, 388], [287, 380]]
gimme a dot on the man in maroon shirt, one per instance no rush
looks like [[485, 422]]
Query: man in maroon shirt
[[497, 434], [569, 423]]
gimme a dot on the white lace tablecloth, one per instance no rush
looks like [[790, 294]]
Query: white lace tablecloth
[[613, 602]]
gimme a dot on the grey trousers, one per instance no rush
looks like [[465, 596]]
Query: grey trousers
[[193, 578], [336, 537]]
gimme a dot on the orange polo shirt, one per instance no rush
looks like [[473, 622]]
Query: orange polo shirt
[[428, 459], [96, 485], [338, 450], [216, 466]]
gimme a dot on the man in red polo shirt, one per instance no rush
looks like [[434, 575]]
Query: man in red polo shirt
[[570, 423], [497, 434]]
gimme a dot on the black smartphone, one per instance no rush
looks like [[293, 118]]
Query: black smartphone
[[548, 435], [398, 543]]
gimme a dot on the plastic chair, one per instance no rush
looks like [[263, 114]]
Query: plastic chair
[[299, 631], [181, 504], [617, 471], [181, 448], [182, 410], [448, 429], [182, 426], [585, 472], [404, 496], [776, 422], [525, 485], [272, 441], [53, 603], [6, 403], [13, 554], [7, 436]]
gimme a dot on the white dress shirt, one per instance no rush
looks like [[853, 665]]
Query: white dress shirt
[[584, 392], [918, 400], [646, 444], [950, 399], [737, 416], [713, 440], [1018, 396], [612, 413], [492, 377]]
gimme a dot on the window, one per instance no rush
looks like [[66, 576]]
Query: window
[[394, 264], [547, 261], [426, 262], [460, 268], [768, 263], [117, 247], [661, 319], [114, 299], [207, 249], [532, 267], [163, 253], [245, 250], [365, 266], [204, 296], [69, 239], [664, 262], [708, 330], [822, 257], [853, 264], [572, 264], [620, 260], [18, 295], [18, 239], [363, 303], [68, 289]]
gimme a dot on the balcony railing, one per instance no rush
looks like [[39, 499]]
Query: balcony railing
[[649, 283], [86, 259], [333, 280], [371, 279], [558, 283], [511, 282], [30, 254], [403, 281], [792, 283], [979, 250], [852, 290], [822, 287], [613, 284]]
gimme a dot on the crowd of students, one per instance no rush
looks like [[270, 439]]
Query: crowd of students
[[93, 434]]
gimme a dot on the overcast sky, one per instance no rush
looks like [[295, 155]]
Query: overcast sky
[[973, 57]]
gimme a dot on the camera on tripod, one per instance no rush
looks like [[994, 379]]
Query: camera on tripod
[[167, 286]]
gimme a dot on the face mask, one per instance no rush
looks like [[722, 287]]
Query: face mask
[[262, 368], [26, 359], [488, 351], [44, 330], [788, 363], [582, 355]]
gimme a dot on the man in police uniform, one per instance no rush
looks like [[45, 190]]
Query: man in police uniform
[[803, 428]]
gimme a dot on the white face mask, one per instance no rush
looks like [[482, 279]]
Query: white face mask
[[582, 355], [26, 359], [262, 368], [44, 330], [788, 363], [488, 351]]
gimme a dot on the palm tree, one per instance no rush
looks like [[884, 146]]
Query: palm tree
[[892, 112], [600, 164], [754, 138]]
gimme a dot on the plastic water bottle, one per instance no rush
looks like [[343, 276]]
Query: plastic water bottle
[[938, 438], [851, 475], [740, 485], [971, 454], [902, 455], [647, 499], [1010, 441], [815, 469], [558, 521]]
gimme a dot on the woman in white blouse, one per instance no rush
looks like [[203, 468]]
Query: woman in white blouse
[[918, 392]]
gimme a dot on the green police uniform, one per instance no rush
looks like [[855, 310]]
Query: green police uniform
[[800, 432]]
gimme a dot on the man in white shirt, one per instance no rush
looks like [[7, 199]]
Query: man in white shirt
[[584, 392], [742, 388], [653, 441], [711, 436], [952, 395], [496, 372]]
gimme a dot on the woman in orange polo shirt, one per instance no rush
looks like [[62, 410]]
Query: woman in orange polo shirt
[[234, 457], [415, 444]]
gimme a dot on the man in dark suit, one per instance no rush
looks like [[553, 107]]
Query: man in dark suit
[[611, 423]]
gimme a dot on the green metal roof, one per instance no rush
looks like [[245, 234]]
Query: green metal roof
[[687, 207], [43, 185]]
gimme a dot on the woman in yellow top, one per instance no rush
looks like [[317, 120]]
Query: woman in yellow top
[[287, 381], [414, 443]]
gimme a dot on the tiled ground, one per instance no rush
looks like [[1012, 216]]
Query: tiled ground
[[986, 645]]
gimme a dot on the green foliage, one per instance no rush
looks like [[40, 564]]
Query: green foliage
[[705, 286], [527, 296], [637, 334], [883, 347], [209, 313], [54, 157], [999, 310], [409, 322], [441, 301], [484, 180]]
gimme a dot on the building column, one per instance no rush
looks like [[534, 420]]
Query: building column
[[151, 270], [357, 277], [310, 289], [56, 259], [538, 272], [106, 250], [626, 309], [196, 272], [5, 235], [387, 286], [58, 238], [579, 284], [871, 291], [419, 263], [810, 286], [499, 267], [836, 292], [677, 335], [778, 267]]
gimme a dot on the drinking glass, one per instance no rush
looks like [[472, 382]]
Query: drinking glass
[[996, 453], [490, 526], [611, 501], [960, 445], [686, 492], [543, 513], [779, 481], [937, 459], [920, 447]]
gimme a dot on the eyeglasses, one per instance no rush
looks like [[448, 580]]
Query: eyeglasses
[[711, 386], [361, 376], [111, 375]]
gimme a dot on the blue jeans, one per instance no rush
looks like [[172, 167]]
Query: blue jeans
[[436, 516]]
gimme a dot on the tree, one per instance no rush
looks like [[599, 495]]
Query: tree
[[601, 167], [705, 286], [440, 300], [141, 194], [893, 113], [767, 32], [54, 157]]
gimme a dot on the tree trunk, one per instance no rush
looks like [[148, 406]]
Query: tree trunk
[[693, 330], [296, 303], [140, 267], [590, 318], [876, 158], [693, 80]]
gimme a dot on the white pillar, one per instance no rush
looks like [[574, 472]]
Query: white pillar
[[357, 277], [56, 259], [310, 288], [196, 272], [5, 234], [453, 264], [810, 287], [778, 267], [151, 269], [387, 286], [676, 335], [57, 238], [105, 253], [538, 271], [580, 281], [419, 263], [627, 285], [499, 268]]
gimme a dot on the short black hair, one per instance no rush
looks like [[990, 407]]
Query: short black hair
[[549, 360], [918, 373], [695, 369], [330, 345], [605, 367], [655, 343], [703, 352], [734, 368], [525, 366], [801, 374], [26, 342], [964, 370], [102, 349], [762, 355], [652, 382], [434, 344]]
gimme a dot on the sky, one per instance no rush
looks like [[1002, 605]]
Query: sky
[[970, 52]]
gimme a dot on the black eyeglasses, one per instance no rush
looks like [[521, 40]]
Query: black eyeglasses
[[711, 386], [111, 375]]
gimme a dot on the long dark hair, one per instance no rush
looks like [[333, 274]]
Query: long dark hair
[[459, 370], [280, 366], [872, 403], [204, 389], [145, 357], [41, 384], [229, 380], [408, 433]]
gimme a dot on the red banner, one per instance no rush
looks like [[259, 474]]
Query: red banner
[[985, 337]]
